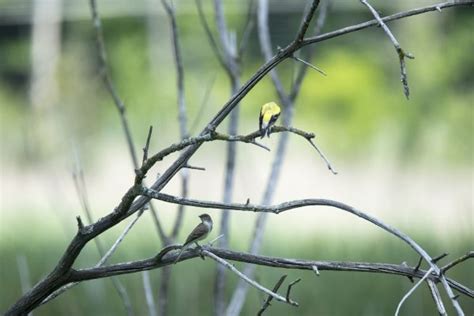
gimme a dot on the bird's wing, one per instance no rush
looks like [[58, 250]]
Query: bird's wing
[[273, 119], [198, 233], [260, 121]]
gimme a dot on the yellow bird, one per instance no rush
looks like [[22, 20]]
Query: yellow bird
[[269, 114]]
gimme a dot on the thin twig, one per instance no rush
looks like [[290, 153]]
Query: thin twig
[[248, 26], [288, 291], [452, 264], [266, 304], [215, 48], [401, 53], [203, 105], [318, 26], [427, 274], [247, 279], [309, 65], [81, 190], [150, 302], [147, 145], [436, 297], [194, 167], [104, 72]]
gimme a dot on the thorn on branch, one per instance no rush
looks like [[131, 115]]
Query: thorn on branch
[[194, 167], [404, 263], [438, 258], [417, 267], [80, 224], [147, 145], [316, 270], [309, 65]]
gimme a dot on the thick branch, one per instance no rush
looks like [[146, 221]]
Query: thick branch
[[169, 258]]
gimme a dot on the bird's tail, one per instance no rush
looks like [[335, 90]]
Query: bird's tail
[[179, 255]]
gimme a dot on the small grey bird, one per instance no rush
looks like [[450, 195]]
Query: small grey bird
[[200, 232]]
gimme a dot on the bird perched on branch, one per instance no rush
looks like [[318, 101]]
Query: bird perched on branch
[[269, 114], [200, 232]]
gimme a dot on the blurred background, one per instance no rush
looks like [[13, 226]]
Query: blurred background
[[409, 163]]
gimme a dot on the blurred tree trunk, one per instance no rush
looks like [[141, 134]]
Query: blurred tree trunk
[[45, 52]]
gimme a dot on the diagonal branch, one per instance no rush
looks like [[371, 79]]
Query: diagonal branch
[[247, 279], [427, 274], [436, 297], [401, 53], [266, 304]]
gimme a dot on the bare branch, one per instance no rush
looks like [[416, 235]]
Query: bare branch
[[194, 167], [318, 26], [393, 17], [102, 261], [150, 302], [309, 65], [306, 20], [436, 297], [310, 202], [215, 48], [247, 279], [288, 291], [81, 190], [401, 53], [203, 105], [452, 264], [412, 290], [130, 204], [104, 72], [165, 257], [238, 297], [266, 304], [147, 145], [249, 24]]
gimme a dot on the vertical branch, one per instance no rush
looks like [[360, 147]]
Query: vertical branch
[[163, 291], [287, 101], [231, 64], [150, 302], [81, 189], [182, 116], [104, 72], [124, 121]]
